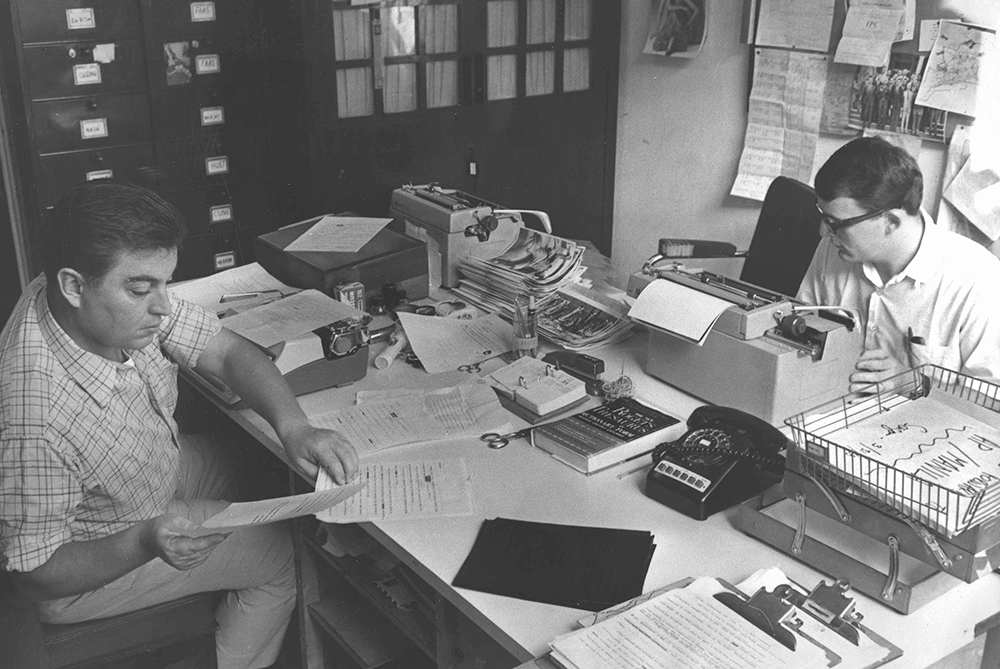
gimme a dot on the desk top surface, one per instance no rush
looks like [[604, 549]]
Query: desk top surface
[[524, 483]]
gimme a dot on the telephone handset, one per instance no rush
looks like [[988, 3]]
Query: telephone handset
[[727, 456]]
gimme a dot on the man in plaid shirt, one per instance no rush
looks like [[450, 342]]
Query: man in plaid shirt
[[99, 493]]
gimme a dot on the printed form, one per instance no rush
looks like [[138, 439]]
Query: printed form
[[417, 489], [339, 234], [273, 323], [442, 344], [265, 511], [243, 280]]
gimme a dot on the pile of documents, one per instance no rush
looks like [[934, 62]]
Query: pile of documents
[[548, 268]]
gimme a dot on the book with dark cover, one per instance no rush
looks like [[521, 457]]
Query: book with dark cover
[[606, 435]]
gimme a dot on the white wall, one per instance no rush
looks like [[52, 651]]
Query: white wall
[[680, 135]]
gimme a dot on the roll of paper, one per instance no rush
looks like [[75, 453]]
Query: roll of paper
[[396, 344]]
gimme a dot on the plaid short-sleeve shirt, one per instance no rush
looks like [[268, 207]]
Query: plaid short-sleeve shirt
[[88, 447]]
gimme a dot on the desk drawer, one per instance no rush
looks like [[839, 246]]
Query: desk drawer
[[61, 20], [223, 208], [186, 61], [183, 17], [59, 172], [69, 70], [90, 123], [197, 256]]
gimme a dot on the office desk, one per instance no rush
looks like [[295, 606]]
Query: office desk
[[524, 483]]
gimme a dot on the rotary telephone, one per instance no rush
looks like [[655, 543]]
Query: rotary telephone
[[727, 456]]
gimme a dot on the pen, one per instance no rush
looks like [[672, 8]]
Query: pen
[[910, 341], [232, 297]]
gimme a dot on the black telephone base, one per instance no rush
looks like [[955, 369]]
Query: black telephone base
[[680, 496]]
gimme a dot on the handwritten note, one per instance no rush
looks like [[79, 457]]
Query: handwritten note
[[240, 514], [342, 234], [395, 490]]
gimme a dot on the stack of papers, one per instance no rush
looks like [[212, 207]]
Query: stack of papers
[[578, 318]]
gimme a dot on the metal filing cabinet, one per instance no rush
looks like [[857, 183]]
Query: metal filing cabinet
[[164, 93]]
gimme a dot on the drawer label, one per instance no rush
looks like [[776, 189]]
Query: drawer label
[[93, 128], [224, 260], [221, 213], [213, 116], [85, 74], [207, 64], [80, 18], [202, 11], [217, 165], [100, 174]]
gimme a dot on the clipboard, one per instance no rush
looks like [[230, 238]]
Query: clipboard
[[824, 617]]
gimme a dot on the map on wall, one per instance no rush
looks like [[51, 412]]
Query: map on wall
[[952, 79]]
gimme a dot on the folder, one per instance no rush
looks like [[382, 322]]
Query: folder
[[706, 622]]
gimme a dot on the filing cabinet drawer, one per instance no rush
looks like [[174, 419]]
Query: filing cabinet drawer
[[69, 70], [61, 20], [197, 255], [191, 111], [186, 61], [90, 123], [60, 172], [184, 17], [222, 208], [211, 160]]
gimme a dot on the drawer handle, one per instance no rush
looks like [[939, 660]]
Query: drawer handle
[[91, 104]]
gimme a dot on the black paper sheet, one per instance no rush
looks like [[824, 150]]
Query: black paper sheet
[[588, 568]]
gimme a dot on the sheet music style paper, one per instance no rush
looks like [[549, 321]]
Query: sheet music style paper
[[460, 411], [342, 234], [396, 490], [442, 344], [240, 514], [678, 310], [207, 291], [685, 627], [275, 322]]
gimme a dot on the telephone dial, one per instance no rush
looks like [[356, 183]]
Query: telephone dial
[[726, 457]]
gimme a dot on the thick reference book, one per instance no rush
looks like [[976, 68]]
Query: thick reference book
[[598, 438]]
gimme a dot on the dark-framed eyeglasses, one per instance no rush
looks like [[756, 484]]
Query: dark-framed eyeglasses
[[837, 224]]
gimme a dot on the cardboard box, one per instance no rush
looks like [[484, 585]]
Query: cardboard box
[[389, 257]]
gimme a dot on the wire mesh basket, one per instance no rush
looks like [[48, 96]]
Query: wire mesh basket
[[923, 445]]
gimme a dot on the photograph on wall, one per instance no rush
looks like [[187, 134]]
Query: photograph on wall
[[677, 28], [177, 59], [883, 98]]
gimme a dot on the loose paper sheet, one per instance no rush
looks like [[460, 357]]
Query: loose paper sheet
[[207, 291], [928, 34], [684, 627], [395, 490], [443, 344], [288, 318], [869, 31], [952, 77], [460, 411], [976, 193], [783, 120], [795, 24], [677, 309], [342, 234], [264, 511]]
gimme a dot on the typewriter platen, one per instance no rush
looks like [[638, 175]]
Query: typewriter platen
[[767, 354]]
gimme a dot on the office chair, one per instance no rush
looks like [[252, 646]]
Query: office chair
[[783, 242], [183, 629]]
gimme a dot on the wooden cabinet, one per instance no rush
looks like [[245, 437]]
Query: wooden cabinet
[[174, 95]]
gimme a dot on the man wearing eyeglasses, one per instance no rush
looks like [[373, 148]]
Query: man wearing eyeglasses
[[922, 294]]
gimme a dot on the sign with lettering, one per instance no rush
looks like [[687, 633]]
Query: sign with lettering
[[216, 165], [85, 74], [80, 18], [100, 174], [202, 11], [92, 128], [208, 63], [213, 116], [221, 213]]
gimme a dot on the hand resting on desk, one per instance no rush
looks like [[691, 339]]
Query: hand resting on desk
[[308, 446]]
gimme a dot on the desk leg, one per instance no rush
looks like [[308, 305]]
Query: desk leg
[[991, 649], [307, 584]]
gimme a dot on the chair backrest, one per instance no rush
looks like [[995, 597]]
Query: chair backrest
[[785, 239]]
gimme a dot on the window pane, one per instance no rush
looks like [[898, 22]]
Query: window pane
[[501, 77], [400, 92], [577, 22], [501, 23], [352, 35], [399, 35], [354, 92], [439, 28], [539, 77], [541, 21], [576, 70], [442, 83]]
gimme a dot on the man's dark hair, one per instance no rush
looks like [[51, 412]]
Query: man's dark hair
[[873, 172], [92, 224]]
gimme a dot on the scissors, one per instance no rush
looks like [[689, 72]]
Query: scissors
[[473, 368], [496, 440]]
